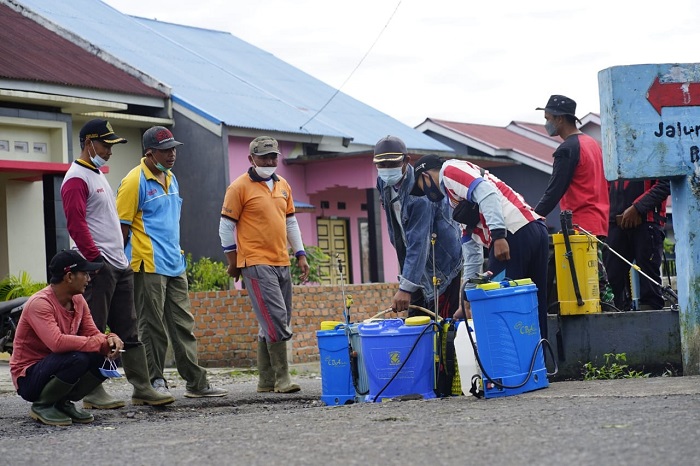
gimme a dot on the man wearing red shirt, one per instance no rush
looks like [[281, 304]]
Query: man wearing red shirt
[[58, 350], [577, 183]]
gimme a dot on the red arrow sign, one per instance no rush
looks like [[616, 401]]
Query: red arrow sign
[[673, 95]]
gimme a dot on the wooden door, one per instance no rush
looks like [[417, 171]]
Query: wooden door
[[332, 234]]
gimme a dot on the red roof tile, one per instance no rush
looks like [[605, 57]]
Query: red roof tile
[[30, 52], [500, 138]]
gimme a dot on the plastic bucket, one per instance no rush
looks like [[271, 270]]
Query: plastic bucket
[[399, 359], [585, 254], [362, 383], [330, 324], [466, 360], [336, 378], [506, 322]]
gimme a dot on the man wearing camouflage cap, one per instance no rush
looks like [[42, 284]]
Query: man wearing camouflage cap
[[257, 222]]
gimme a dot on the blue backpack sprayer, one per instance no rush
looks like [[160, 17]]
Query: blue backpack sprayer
[[510, 349]]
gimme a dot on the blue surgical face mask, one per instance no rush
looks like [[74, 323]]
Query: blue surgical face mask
[[391, 176], [97, 161], [110, 371], [551, 127], [432, 190]]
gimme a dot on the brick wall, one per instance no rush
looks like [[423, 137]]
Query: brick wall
[[226, 328]]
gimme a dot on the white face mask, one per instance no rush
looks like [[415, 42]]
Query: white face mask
[[551, 128], [97, 161], [265, 172], [390, 176]]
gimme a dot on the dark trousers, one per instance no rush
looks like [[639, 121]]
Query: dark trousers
[[448, 302], [529, 251], [644, 246], [66, 367], [110, 296]]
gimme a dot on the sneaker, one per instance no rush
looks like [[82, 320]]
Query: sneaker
[[160, 386], [208, 391]]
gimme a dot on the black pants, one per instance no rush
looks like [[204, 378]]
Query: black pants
[[110, 296], [66, 367], [644, 246], [448, 302], [529, 251]]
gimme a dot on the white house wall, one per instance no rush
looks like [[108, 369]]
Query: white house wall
[[25, 229]]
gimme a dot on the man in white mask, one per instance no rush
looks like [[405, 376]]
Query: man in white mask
[[411, 222], [149, 206], [93, 224], [257, 222]]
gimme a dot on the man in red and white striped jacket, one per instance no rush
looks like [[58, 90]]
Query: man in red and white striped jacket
[[498, 217]]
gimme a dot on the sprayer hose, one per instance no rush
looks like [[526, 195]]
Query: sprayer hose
[[412, 306]]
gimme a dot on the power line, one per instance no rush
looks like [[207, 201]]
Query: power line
[[356, 67]]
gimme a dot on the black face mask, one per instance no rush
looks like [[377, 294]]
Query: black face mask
[[432, 191]]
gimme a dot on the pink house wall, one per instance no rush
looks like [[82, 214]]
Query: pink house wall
[[334, 181]]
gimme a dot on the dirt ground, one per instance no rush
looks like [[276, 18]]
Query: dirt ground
[[616, 422]]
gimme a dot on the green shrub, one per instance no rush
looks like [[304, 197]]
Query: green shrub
[[314, 256], [614, 368], [17, 286], [206, 275]]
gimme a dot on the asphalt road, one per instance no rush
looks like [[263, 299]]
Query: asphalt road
[[621, 422]]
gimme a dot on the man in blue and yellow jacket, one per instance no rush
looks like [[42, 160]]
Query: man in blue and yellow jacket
[[149, 204]]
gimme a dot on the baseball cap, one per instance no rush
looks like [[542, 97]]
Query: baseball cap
[[422, 165], [264, 145], [159, 137], [71, 261], [389, 149], [101, 130], [560, 105]]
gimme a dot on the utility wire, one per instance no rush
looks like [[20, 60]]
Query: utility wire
[[356, 67]]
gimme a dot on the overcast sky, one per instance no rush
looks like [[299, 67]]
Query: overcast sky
[[487, 62]]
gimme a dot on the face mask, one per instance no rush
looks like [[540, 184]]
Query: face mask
[[97, 161], [432, 191], [109, 369], [390, 176], [265, 172], [551, 127], [160, 167]]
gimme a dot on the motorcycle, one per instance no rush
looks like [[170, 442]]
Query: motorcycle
[[10, 311]]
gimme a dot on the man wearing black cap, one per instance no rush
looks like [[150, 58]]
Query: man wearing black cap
[[149, 204], [411, 221], [499, 217], [578, 182], [93, 224], [58, 350]]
